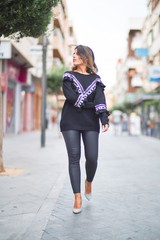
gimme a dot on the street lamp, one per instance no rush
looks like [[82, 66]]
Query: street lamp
[[44, 79]]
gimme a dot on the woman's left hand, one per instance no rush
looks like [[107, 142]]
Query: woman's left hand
[[105, 128]]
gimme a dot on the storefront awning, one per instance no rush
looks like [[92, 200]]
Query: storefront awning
[[19, 57], [147, 97], [28, 88]]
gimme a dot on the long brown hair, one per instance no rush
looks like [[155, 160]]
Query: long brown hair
[[87, 56]]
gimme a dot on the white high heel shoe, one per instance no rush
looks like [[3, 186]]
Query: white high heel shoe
[[88, 195], [77, 210]]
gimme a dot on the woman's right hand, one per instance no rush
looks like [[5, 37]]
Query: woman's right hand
[[105, 127]]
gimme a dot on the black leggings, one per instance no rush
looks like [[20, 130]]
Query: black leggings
[[73, 144]]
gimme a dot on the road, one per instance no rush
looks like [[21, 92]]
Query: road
[[36, 203]]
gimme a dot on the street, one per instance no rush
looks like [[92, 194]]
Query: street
[[36, 199]]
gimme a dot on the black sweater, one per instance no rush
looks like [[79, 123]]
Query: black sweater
[[85, 102]]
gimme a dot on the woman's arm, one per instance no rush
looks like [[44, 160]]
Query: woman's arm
[[70, 94], [101, 107]]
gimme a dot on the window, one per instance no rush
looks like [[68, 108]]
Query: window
[[154, 4], [150, 8], [156, 59], [156, 29], [150, 38]]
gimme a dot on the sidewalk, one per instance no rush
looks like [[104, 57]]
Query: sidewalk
[[37, 203], [27, 199], [126, 195]]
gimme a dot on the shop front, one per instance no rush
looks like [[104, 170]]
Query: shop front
[[149, 106], [16, 72]]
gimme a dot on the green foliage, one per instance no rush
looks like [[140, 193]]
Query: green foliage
[[126, 107], [151, 102], [25, 18], [54, 79]]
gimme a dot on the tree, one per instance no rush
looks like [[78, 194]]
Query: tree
[[25, 18], [22, 19], [54, 79]]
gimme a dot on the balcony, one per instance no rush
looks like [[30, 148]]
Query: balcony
[[58, 45]]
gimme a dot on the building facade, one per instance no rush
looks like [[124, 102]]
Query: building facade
[[141, 70], [21, 71]]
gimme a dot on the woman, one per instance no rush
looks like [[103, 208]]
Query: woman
[[84, 106]]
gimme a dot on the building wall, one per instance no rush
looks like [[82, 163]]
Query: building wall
[[22, 99], [63, 35]]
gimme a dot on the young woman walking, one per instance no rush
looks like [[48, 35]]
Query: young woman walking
[[84, 106]]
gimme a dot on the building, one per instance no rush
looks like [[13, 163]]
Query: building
[[141, 69], [14, 80], [150, 100], [129, 70], [21, 71], [63, 35], [62, 40]]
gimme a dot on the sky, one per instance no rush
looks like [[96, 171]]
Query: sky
[[102, 25]]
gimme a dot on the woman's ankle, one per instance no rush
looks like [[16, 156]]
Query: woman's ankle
[[78, 200], [77, 195], [88, 187]]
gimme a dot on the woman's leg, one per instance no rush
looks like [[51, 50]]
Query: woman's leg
[[90, 139], [73, 145]]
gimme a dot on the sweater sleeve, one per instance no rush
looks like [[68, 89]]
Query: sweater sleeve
[[100, 104], [69, 92]]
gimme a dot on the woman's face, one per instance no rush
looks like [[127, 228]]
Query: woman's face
[[77, 61]]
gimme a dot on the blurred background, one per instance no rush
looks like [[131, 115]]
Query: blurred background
[[125, 37]]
